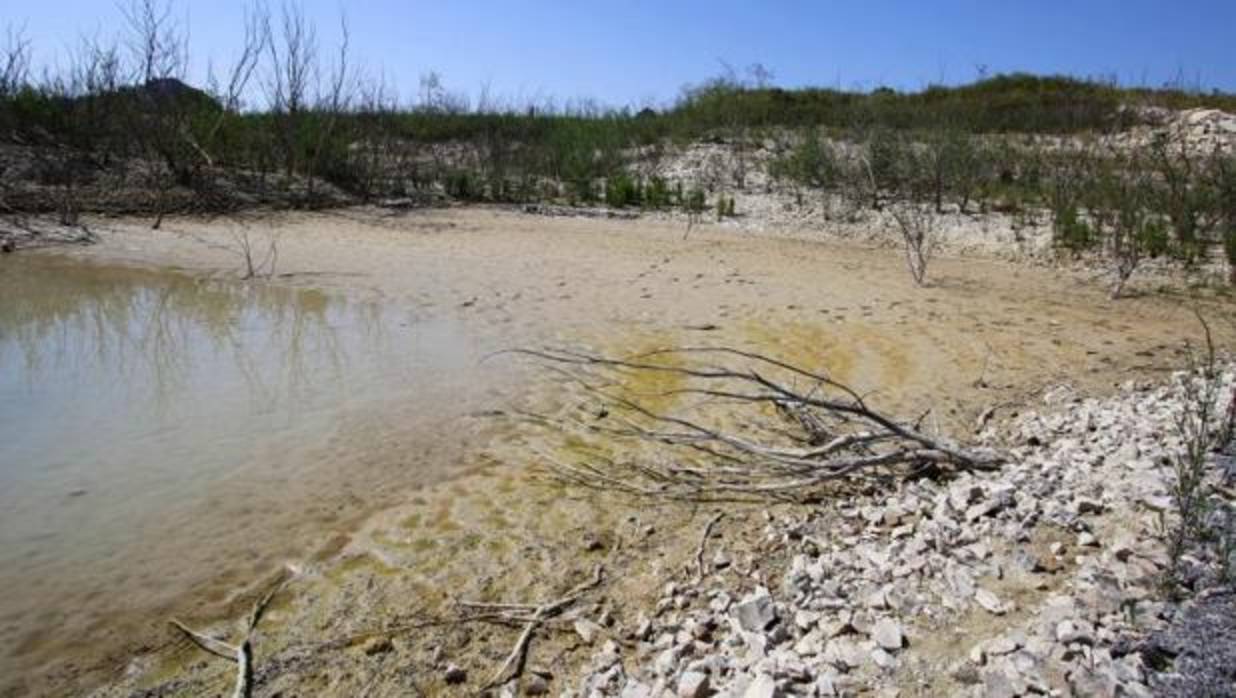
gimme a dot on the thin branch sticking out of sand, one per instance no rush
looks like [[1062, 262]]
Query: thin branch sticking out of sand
[[701, 571], [532, 616], [242, 652]]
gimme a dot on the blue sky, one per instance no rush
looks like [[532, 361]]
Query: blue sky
[[637, 51]]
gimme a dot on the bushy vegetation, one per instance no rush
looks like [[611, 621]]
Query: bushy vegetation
[[294, 120]]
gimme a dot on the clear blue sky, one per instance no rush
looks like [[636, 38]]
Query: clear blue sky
[[629, 52]]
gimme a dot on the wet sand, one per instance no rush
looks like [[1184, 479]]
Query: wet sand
[[484, 522]]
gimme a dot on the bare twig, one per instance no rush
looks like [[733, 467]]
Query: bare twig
[[531, 616], [241, 653], [699, 553]]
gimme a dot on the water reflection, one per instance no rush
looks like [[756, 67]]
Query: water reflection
[[151, 330], [152, 425]]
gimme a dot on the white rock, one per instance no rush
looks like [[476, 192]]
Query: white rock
[[989, 601], [883, 658], [756, 612], [762, 687], [1000, 646], [887, 634], [635, 689], [693, 684], [587, 630], [1069, 631]]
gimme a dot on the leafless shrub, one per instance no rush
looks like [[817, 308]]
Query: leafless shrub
[[917, 225], [238, 76], [14, 61], [292, 54], [260, 255]]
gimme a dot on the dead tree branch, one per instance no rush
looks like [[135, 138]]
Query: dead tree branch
[[532, 616], [743, 426], [242, 652]]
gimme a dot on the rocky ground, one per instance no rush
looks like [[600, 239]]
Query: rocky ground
[[1043, 578]]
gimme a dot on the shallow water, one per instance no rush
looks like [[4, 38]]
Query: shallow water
[[162, 435]]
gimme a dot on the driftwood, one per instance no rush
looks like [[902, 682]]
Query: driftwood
[[531, 616], [242, 652], [745, 426]]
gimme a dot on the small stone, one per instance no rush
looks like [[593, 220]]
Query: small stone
[[693, 684], [455, 674], [1001, 646], [762, 687], [877, 600], [756, 612], [1086, 505], [635, 689], [1087, 540], [989, 601], [887, 634], [996, 684], [536, 685], [667, 661], [1123, 547], [826, 684], [643, 627], [883, 659], [1068, 632], [587, 630], [844, 654], [377, 645], [805, 620], [720, 561]]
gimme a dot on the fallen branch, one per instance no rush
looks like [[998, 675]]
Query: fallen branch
[[532, 616], [699, 553], [242, 652], [747, 426]]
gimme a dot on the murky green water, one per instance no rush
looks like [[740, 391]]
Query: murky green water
[[162, 435]]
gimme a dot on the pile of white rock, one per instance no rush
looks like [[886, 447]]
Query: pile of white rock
[[1029, 580]]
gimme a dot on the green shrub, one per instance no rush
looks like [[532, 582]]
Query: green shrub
[[1070, 232], [811, 163], [461, 186], [696, 201], [622, 191], [656, 194]]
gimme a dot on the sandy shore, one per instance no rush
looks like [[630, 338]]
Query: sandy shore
[[983, 333]]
